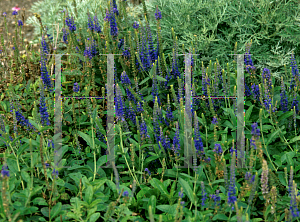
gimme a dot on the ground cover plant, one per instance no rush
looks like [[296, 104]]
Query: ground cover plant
[[145, 183]]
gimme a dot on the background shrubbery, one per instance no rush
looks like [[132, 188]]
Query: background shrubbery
[[149, 121], [273, 26]]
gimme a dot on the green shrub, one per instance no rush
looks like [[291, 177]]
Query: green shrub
[[50, 12], [219, 24]]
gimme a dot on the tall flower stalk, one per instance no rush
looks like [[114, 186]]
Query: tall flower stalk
[[264, 181], [43, 107], [295, 73], [231, 191]]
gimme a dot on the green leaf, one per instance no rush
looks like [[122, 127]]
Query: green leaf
[[101, 160], [28, 85], [21, 149], [140, 195], [285, 115], [188, 190], [248, 103], [4, 105], [149, 98], [273, 135], [283, 158], [220, 217], [33, 142], [233, 117], [173, 188], [55, 210], [161, 78], [25, 176], [86, 137], [152, 203], [159, 185], [40, 201], [89, 194], [86, 167], [257, 219], [203, 119], [145, 80], [266, 127], [297, 168], [34, 124], [45, 211], [248, 113], [296, 138], [12, 165], [91, 211], [267, 211], [86, 181], [228, 124], [60, 182], [135, 143], [167, 182], [36, 190], [98, 183], [94, 217], [111, 185], [169, 209], [72, 215], [218, 181], [282, 179], [95, 202], [152, 71], [16, 140], [289, 158], [151, 158]]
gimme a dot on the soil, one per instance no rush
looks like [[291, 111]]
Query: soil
[[27, 30], [6, 6]]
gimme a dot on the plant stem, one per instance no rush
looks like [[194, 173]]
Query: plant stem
[[18, 165], [262, 135], [126, 158], [280, 132], [95, 163]]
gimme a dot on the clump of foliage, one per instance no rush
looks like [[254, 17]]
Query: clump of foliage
[[45, 178]]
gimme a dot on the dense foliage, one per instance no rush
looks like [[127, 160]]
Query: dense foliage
[[146, 182]]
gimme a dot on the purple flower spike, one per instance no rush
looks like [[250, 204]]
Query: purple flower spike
[[65, 36], [255, 131], [5, 171], [203, 194], [76, 87], [231, 190], [147, 170], [20, 23], [97, 27], [214, 121], [182, 202], [55, 172], [70, 23], [121, 43], [126, 53], [135, 25], [218, 149], [124, 78], [15, 12], [157, 14], [216, 198], [180, 194]]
